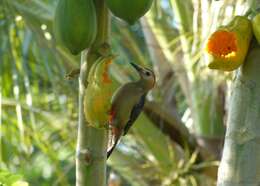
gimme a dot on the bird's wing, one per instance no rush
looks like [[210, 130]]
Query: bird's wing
[[115, 133], [135, 113]]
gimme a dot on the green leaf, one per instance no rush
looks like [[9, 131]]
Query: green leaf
[[8, 178], [20, 183]]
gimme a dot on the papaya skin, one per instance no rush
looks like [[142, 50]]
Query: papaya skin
[[256, 27], [97, 98], [227, 47], [129, 10], [75, 24]]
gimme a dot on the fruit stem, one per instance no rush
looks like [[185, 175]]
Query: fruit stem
[[92, 142], [103, 31]]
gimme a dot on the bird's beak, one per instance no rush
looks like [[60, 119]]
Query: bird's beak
[[137, 68]]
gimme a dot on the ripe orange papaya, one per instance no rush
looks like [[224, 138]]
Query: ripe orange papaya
[[75, 24], [227, 47], [256, 27], [129, 10]]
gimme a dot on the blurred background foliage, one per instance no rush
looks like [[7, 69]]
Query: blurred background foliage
[[178, 138]]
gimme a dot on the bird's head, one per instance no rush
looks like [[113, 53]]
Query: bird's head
[[147, 76]]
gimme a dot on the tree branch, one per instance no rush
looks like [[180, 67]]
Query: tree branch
[[92, 142]]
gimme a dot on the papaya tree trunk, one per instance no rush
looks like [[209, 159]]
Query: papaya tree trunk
[[240, 164], [91, 142]]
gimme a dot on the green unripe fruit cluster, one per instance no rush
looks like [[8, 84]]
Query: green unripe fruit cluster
[[129, 10], [75, 24], [75, 21]]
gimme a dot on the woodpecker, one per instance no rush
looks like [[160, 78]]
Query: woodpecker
[[127, 103]]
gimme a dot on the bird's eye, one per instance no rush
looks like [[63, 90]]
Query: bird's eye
[[147, 73]]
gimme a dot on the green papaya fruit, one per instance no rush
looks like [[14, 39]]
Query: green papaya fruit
[[75, 24], [129, 10], [97, 98], [256, 27]]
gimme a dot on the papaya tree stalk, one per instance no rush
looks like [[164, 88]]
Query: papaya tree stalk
[[241, 156], [92, 142]]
